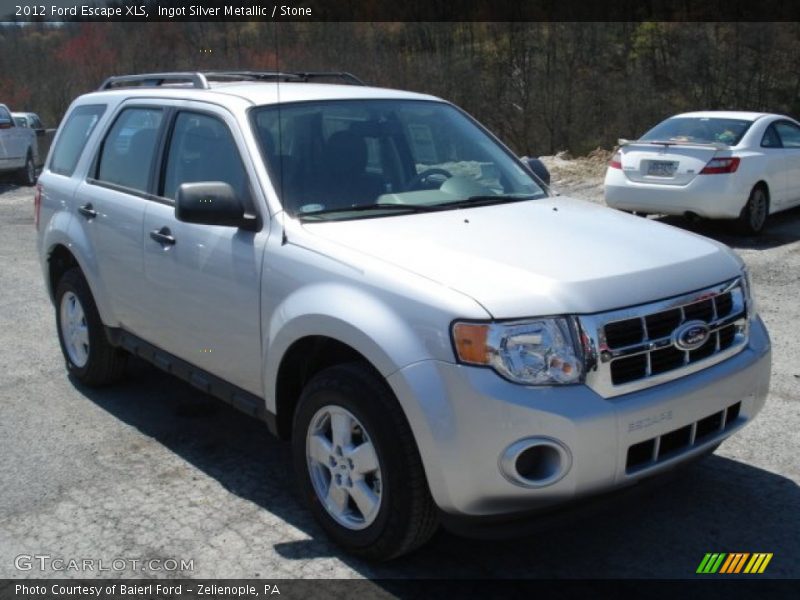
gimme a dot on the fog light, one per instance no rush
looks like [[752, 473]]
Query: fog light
[[535, 462]]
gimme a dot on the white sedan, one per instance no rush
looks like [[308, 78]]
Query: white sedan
[[712, 164]]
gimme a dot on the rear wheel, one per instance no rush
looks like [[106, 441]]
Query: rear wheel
[[755, 212], [357, 465], [27, 176], [87, 352]]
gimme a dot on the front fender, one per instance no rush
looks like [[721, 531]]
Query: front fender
[[351, 316]]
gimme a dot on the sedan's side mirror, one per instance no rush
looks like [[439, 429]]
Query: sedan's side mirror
[[210, 203], [6, 124], [537, 167]]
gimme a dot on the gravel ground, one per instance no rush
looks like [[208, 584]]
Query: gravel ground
[[153, 469]]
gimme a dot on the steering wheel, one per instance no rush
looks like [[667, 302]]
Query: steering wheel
[[418, 179]]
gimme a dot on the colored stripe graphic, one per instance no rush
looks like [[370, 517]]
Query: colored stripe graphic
[[758, 563], [711, 562], [733, 563]]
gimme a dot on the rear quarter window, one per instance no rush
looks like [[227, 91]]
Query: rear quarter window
[[73, 136]]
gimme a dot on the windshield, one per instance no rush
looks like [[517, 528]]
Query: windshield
[[703, 130], [356, 158]]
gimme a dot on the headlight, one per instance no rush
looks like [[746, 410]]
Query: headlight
[[535, 352]]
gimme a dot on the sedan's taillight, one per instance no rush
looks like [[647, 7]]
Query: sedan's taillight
[[616, 161], [721, 165], [37, 204]]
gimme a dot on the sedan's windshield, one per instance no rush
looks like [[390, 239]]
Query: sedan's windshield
[[702, 130], [357, 158]]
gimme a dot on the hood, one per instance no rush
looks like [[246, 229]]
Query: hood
[[541, 257]]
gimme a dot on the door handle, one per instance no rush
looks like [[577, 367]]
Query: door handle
[[88, 211], [163, 236]]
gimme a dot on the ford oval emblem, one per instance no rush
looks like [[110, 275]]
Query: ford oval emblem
[[691, 335]]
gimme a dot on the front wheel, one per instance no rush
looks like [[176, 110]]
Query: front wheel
[[755, 212], [87, 352], [357, 465]]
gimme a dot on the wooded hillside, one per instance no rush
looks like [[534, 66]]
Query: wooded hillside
[[542, 87]]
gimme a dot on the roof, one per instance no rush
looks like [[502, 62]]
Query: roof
[[724, 114], [259, 92]]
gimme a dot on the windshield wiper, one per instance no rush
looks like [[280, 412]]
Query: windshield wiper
[[410, 208], [482, 201]]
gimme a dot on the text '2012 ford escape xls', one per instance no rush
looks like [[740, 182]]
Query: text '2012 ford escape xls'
[[377, 277]]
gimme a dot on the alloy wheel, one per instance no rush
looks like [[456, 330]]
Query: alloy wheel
[[344, 467], [74, 329]]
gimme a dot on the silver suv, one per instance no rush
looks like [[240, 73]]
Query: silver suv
[[378, 278]]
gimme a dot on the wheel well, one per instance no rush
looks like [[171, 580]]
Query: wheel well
[[61, 260], [305, 358]]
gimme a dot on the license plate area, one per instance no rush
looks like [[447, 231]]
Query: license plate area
[[661, 168]]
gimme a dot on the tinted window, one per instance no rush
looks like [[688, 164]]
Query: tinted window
[[703, 130], [771, 138], [202, 149], [72, 138], [789, 134], [127, 154], [36, 123]]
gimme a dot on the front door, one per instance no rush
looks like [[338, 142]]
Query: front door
[[202, 282]]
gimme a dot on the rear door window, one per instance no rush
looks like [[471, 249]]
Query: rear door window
[[126, 157], [789, 134], [73, 136]]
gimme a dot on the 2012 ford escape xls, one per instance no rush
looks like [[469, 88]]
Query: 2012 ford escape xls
[[377, 277]]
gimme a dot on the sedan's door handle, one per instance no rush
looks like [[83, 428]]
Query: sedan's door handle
[[163, 236], [88, 211]]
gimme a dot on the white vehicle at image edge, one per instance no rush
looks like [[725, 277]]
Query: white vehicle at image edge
[[18, 148], [379, 279], [712, 164]]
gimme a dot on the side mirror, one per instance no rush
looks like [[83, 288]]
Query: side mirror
[[5, 124], [537, 167], [210, 203]]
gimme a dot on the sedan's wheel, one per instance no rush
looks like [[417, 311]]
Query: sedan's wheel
[[754, 214], [87, 352], [357, 464]]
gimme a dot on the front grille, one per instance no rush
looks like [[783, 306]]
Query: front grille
[[638, 347], [673, 443]]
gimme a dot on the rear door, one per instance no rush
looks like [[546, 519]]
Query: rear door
[[203, 289], [110, 205], [790, 139]]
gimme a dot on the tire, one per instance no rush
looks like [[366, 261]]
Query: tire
[[89, 356], [755, 212], [27, 175], [403, 515]]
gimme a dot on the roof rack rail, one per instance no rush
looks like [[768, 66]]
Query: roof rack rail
[[294, 76], [200, 80]]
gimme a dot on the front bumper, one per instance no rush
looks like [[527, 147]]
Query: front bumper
[[463, 418]]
